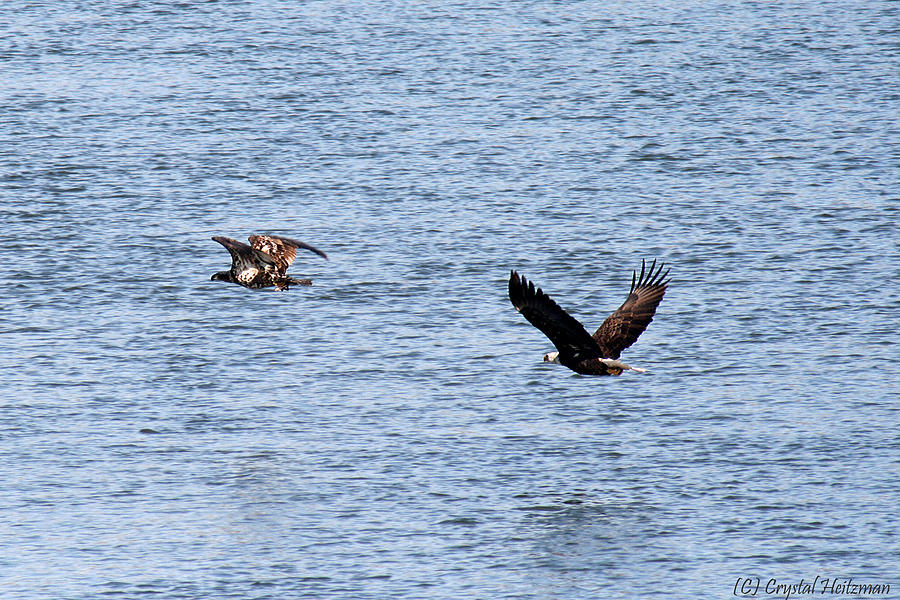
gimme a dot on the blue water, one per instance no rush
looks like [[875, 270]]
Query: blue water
[[391, 432]]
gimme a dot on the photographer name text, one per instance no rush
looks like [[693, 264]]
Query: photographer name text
[[752, 587]]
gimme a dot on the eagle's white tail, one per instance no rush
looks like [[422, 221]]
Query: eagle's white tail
[[618, 364]]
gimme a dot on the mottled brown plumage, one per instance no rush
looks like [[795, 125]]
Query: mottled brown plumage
[[578, 350], [264, 262]]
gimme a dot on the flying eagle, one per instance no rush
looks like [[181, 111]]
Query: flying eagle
[[584, 353], [263, 263]]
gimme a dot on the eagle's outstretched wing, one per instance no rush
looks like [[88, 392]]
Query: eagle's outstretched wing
[[244, 257], [567, 334], [622, 328], [282, 250]]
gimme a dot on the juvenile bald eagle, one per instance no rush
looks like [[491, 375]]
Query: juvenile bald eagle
[[264, 262], [584, 353]]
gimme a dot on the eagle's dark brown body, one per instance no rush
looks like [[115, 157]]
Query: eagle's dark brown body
[[264, 262], [578, 350]]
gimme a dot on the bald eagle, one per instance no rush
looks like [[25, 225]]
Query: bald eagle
[[264, 262], [578, 350]]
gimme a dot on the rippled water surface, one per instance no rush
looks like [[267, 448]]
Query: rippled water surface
[[391, 432]]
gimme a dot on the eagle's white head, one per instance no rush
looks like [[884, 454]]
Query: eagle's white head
[[552, 357]]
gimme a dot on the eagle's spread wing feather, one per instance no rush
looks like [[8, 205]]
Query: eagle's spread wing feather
[[622, 328], [567, 334], [244, 257], [282, 250]]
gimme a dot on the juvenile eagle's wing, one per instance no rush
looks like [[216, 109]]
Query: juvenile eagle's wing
[[244, 257], [622, 328], [282, 250], [567, 334]]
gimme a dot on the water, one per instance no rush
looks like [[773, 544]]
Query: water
[[391, 432]]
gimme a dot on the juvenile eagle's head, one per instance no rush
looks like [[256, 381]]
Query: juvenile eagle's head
[[221, 276]]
